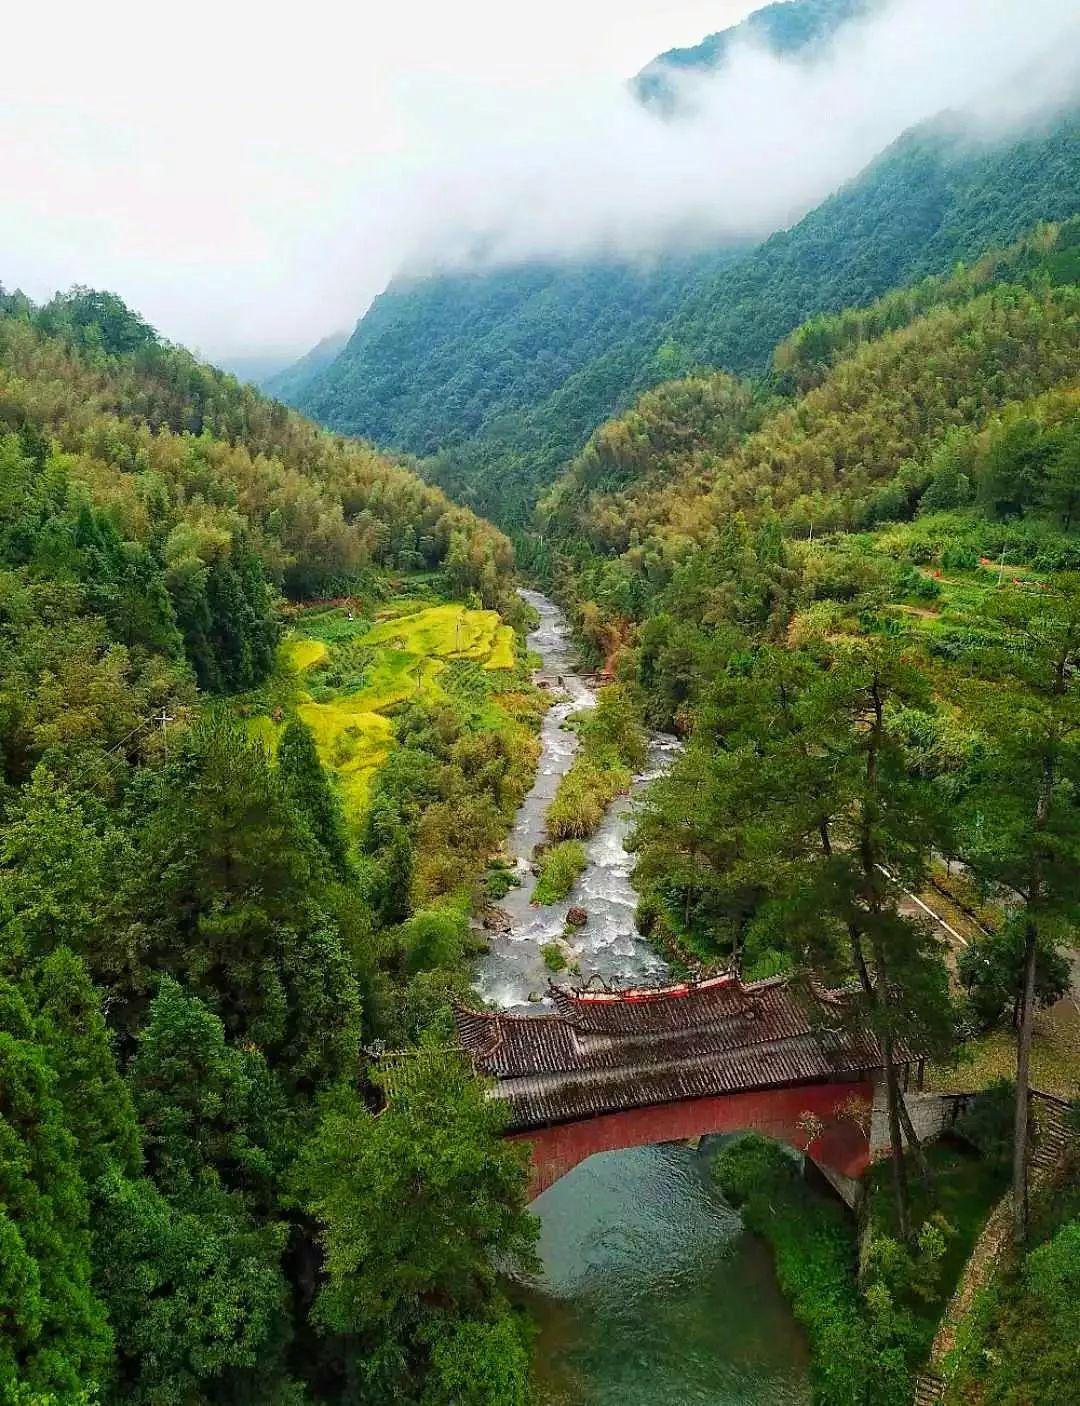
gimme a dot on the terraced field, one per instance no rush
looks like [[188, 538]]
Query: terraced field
[[344, 674]]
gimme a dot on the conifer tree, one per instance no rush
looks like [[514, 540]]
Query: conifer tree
[[54, 1335], [1024, 824], [308, 787]]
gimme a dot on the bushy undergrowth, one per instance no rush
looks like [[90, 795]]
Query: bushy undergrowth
[[815, 1250], [1020, 1344], [869, 1304], [559, 868], [612, 749], [555, 958]]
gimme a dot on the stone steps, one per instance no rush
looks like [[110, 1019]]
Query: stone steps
[[929, 1389]]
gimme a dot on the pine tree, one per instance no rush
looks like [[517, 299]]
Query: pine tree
[[308, 787], [1024, 826], [97, 1103], [54, 1335]]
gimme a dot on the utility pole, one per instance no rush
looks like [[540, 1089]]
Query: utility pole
[[165, 719]]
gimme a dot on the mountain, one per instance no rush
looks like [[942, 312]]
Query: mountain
[[787, 29], [496, 379], [438, 360], [287, 382], [873, 390], [933, 199]]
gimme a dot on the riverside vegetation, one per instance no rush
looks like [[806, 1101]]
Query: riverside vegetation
[[198, 935], [264, 717], [853, 586]]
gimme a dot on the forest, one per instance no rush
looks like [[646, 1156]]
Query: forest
[[198, 936], [266, 717], [496, 380], [268, 713], [853, 587]]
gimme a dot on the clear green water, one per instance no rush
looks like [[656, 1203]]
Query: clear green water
[[653, 1296]]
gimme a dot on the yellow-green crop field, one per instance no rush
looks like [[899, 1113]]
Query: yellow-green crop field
[[400, 655]]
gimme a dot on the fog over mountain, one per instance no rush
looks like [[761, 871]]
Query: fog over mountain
[[765, 138], [342, 174]]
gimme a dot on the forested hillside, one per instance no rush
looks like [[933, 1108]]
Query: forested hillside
[[289, 383], [927, 433], [508, 390], [200, 933], [839, 436], [437, 360], [854, 587], [783, 29], [943, 356]]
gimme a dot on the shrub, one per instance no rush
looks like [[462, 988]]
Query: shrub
[[987, 1122], [433, 938], [814, 1248], [554, 957], [499, 882], [559, 868], [612, 749]]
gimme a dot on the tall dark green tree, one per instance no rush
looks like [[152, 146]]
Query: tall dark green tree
[[237, 896], [806, 825], [308, 787], [419, 1207], [1024, 821], [97, 1102], [55, 1341]]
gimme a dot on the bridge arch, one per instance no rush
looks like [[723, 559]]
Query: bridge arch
[[817, 1120]]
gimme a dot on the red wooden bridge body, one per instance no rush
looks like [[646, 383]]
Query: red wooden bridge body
[[610, 1070]]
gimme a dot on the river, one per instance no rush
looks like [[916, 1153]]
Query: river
[[650, 1293]]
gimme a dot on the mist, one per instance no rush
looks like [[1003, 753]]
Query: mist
[[766, 139], [253, 194]]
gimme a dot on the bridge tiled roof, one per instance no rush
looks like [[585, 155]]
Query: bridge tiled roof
[[604, 1052]]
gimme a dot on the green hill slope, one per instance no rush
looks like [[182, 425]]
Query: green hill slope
[[877, 391], [448, 358], [230, 862], [788, 28], [930, 201], [506, 374]]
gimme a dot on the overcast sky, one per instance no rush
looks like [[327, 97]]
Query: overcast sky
[[249, 177], [218, 163]]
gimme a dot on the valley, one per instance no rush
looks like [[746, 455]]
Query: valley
[[545, 870]]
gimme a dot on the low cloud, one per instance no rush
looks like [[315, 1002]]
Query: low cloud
[[579, 174], [254, 193]]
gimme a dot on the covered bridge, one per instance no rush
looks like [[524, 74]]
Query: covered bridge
[[612, 1069]]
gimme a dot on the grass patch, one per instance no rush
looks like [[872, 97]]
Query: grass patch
[[302, 654], [554, 957], [559, 869], [1055, 1056], [503, 654]]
